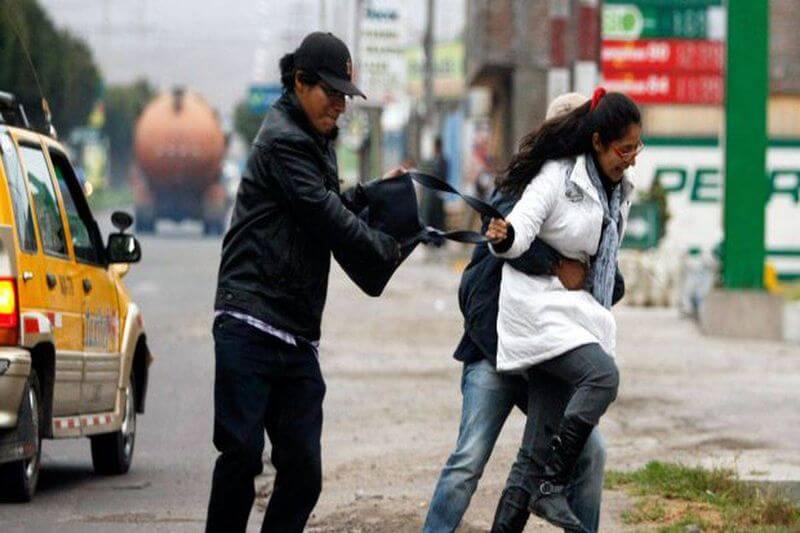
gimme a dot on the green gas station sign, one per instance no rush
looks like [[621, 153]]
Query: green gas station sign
[[643, 230], [650, 19]]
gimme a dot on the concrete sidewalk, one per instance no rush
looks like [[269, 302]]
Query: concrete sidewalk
[[704, 400], [393, 403]]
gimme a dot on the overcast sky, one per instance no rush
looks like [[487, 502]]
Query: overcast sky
[[218, 46]]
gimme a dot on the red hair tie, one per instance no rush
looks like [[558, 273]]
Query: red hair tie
[[598, 95]]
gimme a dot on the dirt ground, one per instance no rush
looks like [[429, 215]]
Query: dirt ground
[[393, 403]]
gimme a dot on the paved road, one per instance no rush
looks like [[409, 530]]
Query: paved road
[[392, 407], [167, 487]]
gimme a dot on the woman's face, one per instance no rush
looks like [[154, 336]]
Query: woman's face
[[615, 158]]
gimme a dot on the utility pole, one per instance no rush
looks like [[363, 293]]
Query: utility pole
[[359, 5], [586, 73], [429, 120], [558, 76]]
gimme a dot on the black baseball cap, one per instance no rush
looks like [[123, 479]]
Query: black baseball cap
[[328, 57]]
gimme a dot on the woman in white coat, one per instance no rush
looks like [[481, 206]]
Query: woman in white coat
[[571, 174]]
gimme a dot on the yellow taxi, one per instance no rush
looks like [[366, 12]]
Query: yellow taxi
[[73, 353]]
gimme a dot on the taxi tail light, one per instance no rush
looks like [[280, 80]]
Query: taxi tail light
[[9, 312]]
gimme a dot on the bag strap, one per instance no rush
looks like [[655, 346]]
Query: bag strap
[[432, 182], [483, 208]]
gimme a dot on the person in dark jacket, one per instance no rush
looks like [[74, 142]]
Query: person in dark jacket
[[273, 277], [432, 208], [490, 396]]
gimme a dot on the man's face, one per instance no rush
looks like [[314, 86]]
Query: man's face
[[322, 105]]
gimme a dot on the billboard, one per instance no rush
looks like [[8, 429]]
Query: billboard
[[663, 55], [640, 19], [666, 88], [260, 97], [691, 173], [382, 74], [665, 51]]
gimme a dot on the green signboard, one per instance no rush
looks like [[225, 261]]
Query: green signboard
[[667, 3], [644, 227], [644, 19]]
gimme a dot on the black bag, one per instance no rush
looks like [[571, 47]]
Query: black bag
[[392, 208]]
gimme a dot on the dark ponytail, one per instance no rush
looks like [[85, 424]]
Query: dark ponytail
[[288, 70], [568, 135]]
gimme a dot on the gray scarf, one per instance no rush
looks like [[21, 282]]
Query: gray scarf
[[604, 266]]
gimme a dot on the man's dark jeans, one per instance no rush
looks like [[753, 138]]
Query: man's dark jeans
[[262, 383]]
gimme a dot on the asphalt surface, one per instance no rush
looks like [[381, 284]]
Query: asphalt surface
[[392, 406], [166, 489]]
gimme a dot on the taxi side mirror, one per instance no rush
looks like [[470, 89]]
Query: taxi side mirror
[[121, 220], [123, 248]]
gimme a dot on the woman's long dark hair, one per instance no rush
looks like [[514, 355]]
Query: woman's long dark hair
[[569, 135]]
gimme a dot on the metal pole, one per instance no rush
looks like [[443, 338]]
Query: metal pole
[[747, 90], [558, 79], [359, 4], [427, 45]]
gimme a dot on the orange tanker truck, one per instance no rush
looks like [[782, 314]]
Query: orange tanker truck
[[178, 147]]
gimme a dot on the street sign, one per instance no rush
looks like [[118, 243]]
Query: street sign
[[448, 70], [260, 97], [631, 21], [664, 55], [643, 229], [668, 3], [667, 88], [382, 63]]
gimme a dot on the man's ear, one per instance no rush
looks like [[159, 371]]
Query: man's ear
[[298, 85]]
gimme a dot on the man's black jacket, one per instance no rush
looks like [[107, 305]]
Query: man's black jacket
[[288, 218], [479, 291]]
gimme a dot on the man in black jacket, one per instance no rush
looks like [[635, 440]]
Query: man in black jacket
[[273, 279]]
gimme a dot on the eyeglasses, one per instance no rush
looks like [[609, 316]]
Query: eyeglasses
[[628, 154], [332, 93]]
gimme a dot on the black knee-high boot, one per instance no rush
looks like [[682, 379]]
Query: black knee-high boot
[[512, 511], [548, 500]]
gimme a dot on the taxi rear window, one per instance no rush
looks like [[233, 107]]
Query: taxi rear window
[[23, 215]]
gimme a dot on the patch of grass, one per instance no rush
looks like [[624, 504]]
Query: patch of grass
[[689, 522], [645, 510], [677, 496], [614, 479]]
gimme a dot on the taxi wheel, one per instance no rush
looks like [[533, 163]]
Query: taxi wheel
[[18, 479], [112, 453]]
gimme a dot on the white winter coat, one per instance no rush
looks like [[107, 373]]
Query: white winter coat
[[539, 319]]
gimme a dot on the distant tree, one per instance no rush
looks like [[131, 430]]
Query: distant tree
[[245, 122], [67, 74], [123, 105], [658, 194]]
